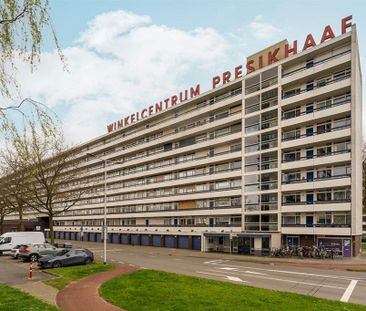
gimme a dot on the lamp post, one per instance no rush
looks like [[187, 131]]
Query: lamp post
[[105, 228]]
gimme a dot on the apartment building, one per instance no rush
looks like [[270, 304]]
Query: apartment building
[[269, 159]]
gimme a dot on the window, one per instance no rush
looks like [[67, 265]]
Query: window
[[341, 170], [342, 195], [292, 219], [291, 177], [344, 122], [324, 104], [292, 198], [324, 173], [294, 134], [323, 151], [344, 146], [291, 113], [291, 156], [325, 218], [324, 128], [324, 196]]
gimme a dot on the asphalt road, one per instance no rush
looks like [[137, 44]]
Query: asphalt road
[[344, 286], [14, 272]]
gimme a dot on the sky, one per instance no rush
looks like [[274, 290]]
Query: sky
[[125, 55]]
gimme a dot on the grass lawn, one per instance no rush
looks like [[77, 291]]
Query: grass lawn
[[153, 290], [66, 275], [13, 299], [357, 269], [364, 246]]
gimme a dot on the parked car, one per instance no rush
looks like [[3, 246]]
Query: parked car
[[14, 252], [11, 239], [67, 257], [32, 252]]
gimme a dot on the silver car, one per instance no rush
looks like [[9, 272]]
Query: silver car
[[14, 252]]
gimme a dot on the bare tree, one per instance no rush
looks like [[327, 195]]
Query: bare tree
[[4, 210], [13, 188]]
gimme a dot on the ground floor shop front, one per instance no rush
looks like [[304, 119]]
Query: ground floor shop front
[[345, 246], [258, 244]]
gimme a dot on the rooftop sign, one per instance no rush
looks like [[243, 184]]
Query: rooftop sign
[[254, 62]]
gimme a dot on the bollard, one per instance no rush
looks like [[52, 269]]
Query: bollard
[[30, 272]]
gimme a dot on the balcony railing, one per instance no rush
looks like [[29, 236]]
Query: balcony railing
[[304, 180], [315, 156], [316, 202], [299, 114], [317, 225], [316, 63], [333, 129], [320, 85]]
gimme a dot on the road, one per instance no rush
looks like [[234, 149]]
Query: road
[[344, 286], [13, 272]]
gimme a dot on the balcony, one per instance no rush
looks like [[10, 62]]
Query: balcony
[[313, 183], [316, 137], [317, 90], [317, 229], [318, 206], [317, 114], [316, 67], [317, 160]]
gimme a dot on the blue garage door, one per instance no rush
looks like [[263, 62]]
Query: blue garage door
[[169, 241], [67, 235], [98, 237], [115, 238], [77, 236], [134, 239], [124, 239], [85, 236], [156, 240], [183, 241], [91, 237], [145, 240], [196, 243], [62, 235], [72, 235], [56, 234]]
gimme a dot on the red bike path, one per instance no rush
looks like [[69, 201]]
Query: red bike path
[[84, 294]]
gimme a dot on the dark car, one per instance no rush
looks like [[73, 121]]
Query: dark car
[[67, 257]]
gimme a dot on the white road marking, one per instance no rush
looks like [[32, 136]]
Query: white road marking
[[252, 272], [348, 292], [235, 279], [298, 273], [228, 277], [213, 261], [228, 268], [287, 281]]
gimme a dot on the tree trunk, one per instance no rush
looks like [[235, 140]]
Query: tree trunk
[[2, 224], [52, 233], [21, 221]]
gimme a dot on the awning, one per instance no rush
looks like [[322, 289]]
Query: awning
[[252, 235], [216, 234]]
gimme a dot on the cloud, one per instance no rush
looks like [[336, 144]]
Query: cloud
[[261, 29], [120, 63]]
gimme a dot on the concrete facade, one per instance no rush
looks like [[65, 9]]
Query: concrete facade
[[268, 160]]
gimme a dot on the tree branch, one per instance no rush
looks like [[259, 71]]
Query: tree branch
[[12, 20]]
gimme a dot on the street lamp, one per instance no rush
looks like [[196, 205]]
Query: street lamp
[[105, 231]]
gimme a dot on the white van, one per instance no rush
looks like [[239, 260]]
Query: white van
[[11, 239]]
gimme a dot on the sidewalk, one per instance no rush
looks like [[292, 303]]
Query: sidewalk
[[83, 295], [40, 290]]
